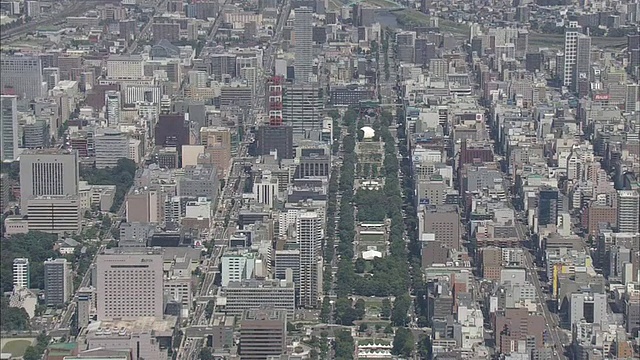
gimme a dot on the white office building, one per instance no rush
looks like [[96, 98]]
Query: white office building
[[21, 273]]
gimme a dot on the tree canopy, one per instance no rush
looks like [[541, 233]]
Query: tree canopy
[[121, 176], [35, 246]]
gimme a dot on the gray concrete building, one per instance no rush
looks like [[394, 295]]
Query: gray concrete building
[[54, 214], [48, 172], [253, 294], [110, 146], [57, 282], [199, 181]]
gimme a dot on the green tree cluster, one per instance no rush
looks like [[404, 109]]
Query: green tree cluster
[[403, 342], [344, 345], [346, 312], [36, 351], [12, 318], [121, 176], [35, 246]]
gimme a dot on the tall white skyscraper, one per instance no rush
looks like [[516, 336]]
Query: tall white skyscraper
[[113, 102], [570, 52], [628, 211], [21, 273], [309, 237], [303, 32], [8, 127]]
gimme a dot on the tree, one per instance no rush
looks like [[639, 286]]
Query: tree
[[363, 327], [385, 310], [12, 318], [344, 345], [325, 311], [360, 308], [34, 245], [344, 314], [403, 342], [205, 354], [31, 354], [400, 309], [361, 265]]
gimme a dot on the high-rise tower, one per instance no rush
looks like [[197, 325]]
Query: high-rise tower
[[570, 52], [8, 128], [48, 172], [309, 237], [303, 31]]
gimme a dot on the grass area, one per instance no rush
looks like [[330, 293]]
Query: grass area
[[408, 18], [16, 347]]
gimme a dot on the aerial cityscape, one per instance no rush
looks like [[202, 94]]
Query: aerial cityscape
[[319, 179]]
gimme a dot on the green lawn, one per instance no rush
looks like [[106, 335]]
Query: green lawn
[[16, 347]]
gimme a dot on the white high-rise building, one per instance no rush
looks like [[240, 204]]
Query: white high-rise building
[[570, 52], [303, 32], [22, 73], [628, 211], [309, 238], [266, 189], [237, 267], [21, 273], [113, 103], [8, 128]]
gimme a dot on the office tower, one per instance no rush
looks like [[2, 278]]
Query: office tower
[[265, 189], [303, 32], [632, 102], [589, 306], [125, 67], [110, 146], [548, 204], [58, 214], [516, 326], [57, 282], [23, 74], [8, 128], [633, 49], [254, 294], [628, 211], [263, 333], [86, 301], [236, 267], [47, 172], [443, 221], [570, 52], [583, 61], [21, 278], [113, 103], [285, 260], [302, 107], [35, 135], [278, 138], [309, 238], [274, 101], [129, 284]]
